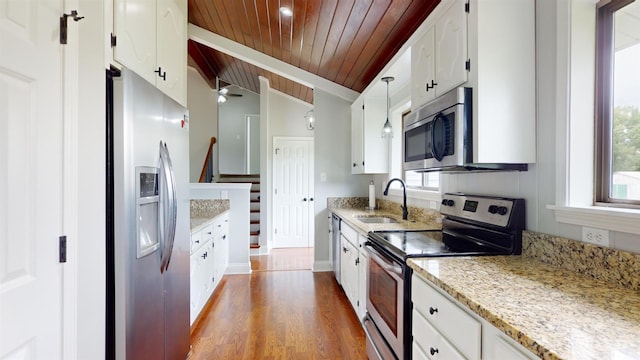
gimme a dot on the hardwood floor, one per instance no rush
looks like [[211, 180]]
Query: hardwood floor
[[293, 314], [284, 259]]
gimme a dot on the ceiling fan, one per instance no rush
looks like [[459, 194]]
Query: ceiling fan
[[223, 92]]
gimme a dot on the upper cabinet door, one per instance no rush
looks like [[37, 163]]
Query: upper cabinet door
[[423, 69], [135, 28], [451, 48], [172, 48], [357, 131]]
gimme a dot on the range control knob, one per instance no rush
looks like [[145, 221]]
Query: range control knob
[[450, 202], [493, 209], [502, 210]]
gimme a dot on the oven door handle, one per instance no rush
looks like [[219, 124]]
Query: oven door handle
[[386, 264]]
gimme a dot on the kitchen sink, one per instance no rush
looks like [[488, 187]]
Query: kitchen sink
[[377, 220]]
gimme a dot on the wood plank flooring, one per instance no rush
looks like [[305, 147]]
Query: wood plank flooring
[[284, 259], [292, 314]]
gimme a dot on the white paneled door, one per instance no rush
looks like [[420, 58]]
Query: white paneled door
[[293, 192], [30, 180]]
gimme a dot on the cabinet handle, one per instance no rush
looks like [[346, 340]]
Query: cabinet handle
[[208, 232], [161, 74], [433, 351], [433, 85], [304, 199], [197, 241], [204, 256], [344, 250], [432, 310], [354, 164], [357, 261], [310, 199]]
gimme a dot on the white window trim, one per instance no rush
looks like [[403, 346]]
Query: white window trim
[[614, 219], [574, 162]]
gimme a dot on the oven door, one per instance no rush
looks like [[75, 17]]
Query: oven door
[[385, 301]]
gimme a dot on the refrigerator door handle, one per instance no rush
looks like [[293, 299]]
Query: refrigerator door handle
[[168, 206]]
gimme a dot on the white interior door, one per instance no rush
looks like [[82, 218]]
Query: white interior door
[[293, 192], [30, 180]]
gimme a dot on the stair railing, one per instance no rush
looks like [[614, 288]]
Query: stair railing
[[206, 175]]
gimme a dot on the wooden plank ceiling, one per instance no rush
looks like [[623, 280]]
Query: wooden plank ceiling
[[345, 41]]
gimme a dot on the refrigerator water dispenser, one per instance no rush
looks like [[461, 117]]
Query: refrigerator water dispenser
[[147, 201]]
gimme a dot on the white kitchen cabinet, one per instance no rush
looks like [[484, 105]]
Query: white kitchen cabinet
[[497, 346], [363, 267], [209, 261], [369, 151], [443, 328], [441, 324], [151, 40], [438, 58], [349, 272]]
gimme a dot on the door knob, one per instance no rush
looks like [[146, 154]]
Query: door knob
[[310, 199], [305, 199]]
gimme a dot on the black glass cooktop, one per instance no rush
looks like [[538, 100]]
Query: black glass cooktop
[[408, 244]]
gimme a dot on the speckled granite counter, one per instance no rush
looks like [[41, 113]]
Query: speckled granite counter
[[350, 209], [203, 211], [556, 311]]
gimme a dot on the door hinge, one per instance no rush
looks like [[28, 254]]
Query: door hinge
[[357, 303], [467, 65], [275, 231], [277, 149], [62, 249], [63, 24], [113, 40], [362, 106], [275, 191], [466, 7]]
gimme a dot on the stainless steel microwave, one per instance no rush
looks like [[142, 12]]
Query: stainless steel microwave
[[439, 136]]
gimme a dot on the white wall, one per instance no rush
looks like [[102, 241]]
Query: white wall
[[232, 130], [203, 122], [333, 159]]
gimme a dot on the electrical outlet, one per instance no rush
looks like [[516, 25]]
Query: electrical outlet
[[595, 236]]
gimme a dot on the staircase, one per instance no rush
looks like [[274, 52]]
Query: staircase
[[254, 205]]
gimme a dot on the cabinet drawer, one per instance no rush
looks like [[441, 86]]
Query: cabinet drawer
[[460, 328], [428, 343], [196, 241], [220, 224], [350, 234]]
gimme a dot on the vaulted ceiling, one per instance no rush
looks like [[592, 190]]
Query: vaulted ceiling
[[347, 42]]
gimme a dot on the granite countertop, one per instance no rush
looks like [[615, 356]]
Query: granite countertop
[[203, 211], [554, 312], [351, 215]]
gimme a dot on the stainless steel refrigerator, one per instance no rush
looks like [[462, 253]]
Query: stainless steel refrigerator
[[148, 216]]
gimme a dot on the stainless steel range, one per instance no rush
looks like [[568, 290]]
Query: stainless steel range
[[473, 226]]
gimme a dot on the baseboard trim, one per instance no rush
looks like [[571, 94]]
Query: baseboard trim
[[322, 266], [238, 269]]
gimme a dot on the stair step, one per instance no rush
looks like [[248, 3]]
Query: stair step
[[254, 222], [254, 211], [254, 233], [255, 200], [254, 246]]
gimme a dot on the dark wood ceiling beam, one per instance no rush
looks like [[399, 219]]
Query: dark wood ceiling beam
[[357, 20], [265, 27], [327, 12], [336, 31]]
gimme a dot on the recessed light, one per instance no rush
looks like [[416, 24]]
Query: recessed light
[[286, 11]]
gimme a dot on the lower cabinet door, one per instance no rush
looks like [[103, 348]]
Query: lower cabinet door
[[431, 342]]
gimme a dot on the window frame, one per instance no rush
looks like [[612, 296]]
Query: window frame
[[603, 155]]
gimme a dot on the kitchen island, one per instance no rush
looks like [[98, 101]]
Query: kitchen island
[[585, 306]]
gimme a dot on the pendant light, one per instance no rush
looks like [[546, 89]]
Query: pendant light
[[387, 130]]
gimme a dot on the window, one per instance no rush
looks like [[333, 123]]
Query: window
[[424, 181], [618, 103]]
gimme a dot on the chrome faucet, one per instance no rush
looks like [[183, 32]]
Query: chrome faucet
[[405, 212]]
